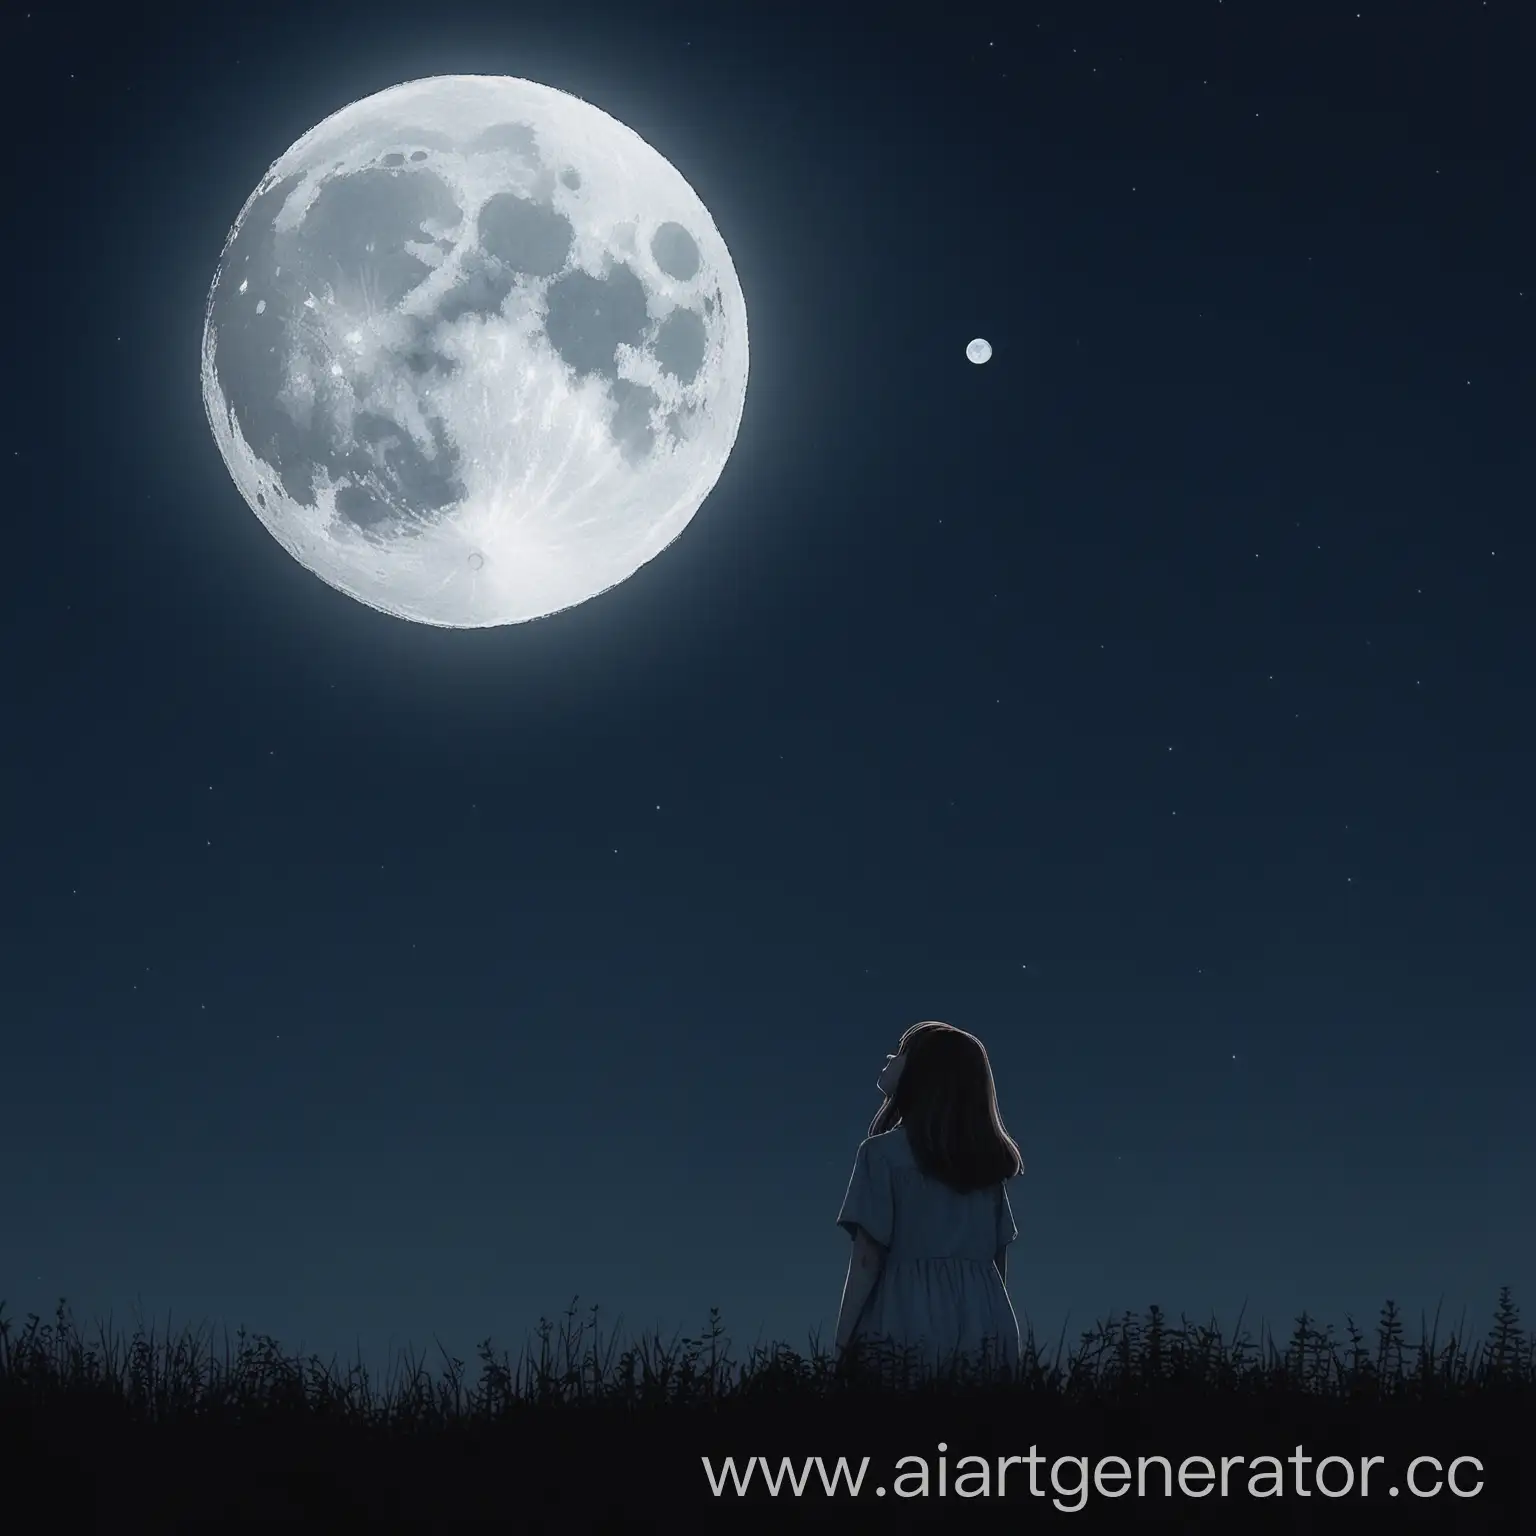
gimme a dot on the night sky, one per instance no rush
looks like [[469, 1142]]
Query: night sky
[[1154, 701]]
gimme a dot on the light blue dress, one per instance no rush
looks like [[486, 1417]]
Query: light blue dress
[[939, 1291]]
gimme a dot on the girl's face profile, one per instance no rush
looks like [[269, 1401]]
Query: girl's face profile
[[886, 1082]]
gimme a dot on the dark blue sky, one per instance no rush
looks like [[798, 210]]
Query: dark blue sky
[[1154, 702]]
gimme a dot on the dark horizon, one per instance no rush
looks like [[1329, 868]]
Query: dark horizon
[[1152, 701]]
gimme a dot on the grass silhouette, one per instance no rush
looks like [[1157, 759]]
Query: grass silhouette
[[580, 1435]]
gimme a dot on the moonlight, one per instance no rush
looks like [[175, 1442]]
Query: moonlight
[[474, 351]]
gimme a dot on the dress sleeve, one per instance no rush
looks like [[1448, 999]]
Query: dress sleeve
[[868, 1202], [1007, 1227]]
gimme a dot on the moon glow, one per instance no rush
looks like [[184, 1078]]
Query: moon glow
[[474, 351]]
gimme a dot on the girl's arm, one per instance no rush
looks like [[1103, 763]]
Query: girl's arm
[[863, 1270]]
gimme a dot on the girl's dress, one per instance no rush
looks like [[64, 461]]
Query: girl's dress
[[938, 1292]]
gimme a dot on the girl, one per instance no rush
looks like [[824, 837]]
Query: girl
[[928, 1211]]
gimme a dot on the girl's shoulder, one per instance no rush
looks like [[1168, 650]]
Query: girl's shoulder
[[891, 1144]]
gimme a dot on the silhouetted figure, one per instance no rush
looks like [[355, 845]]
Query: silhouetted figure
[[928, 1210]]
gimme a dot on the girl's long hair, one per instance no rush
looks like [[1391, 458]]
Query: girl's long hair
[[947, 1102]]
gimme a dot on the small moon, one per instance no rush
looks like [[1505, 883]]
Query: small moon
[[979, 350]]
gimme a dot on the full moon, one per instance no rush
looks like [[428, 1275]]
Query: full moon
[[978, 350], [474, 351]]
